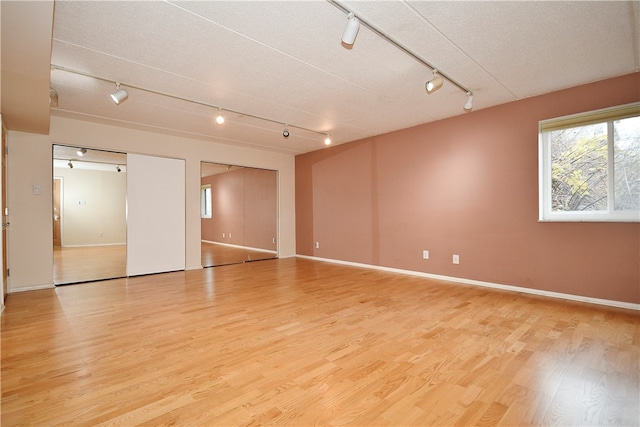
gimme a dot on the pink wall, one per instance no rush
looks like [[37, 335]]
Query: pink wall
[[244, 205], [467, 185]]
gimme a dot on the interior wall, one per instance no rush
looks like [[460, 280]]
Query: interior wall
[[226, 224], [467, 185], [30, 248], [93, 207], [243, 208]]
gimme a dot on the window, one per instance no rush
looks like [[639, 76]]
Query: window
[[205, 201], [590, 166]]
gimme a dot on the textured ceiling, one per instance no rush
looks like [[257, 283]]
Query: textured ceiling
[[283, 61]]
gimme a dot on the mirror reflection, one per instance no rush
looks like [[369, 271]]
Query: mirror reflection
[[89, 214], [238, 214]]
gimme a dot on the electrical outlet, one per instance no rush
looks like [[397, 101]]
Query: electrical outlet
[[425, 254], [317, 245], [456, 259]]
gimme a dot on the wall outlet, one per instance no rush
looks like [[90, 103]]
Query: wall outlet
[[317, 245], [456, 259], [425, 254]]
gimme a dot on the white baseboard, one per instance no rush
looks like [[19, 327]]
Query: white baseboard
[[239, 246], [30, 288], [511, 288], [93, 246]]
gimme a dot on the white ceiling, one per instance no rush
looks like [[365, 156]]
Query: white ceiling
[[283, 60]]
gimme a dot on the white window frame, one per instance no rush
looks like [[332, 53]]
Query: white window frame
[[205, 202], [607, 115]]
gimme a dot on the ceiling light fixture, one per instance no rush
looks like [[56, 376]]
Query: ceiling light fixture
[[81, 152], [468, 106], [351, 30], [327, 140], [399, 46], [120, 95], [219, 117], [53, 97], [168, 95], [70, 164], [285, 132], [118, 169], [434, 84]]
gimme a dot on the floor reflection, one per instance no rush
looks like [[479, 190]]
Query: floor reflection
[[214, 254]]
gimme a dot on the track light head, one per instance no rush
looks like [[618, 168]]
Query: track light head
[[120, 95], [327, 140], [468, 106], [118, 169], [285, 132], [435, 83], [351, 30], [81, 152], [70, 164], [219, 117]]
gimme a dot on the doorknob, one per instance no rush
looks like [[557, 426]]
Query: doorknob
[[5, 224]]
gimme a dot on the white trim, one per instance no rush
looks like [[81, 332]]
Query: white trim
[[31, 288], [239, 246], [511, 288], [93, 246]]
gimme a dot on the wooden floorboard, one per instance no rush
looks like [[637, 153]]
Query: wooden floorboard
[[298, 342]]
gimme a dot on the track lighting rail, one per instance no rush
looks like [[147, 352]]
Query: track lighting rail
[[193, 101], [398, 45]]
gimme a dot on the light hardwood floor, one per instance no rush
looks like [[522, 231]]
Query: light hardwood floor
[[88, 263], [297, 342], [213, 254]]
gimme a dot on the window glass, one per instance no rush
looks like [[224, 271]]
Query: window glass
[[205, 201], [590, 166], [626, 139]]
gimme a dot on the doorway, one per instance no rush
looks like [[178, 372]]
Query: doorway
[[89, 215], [239, 221]]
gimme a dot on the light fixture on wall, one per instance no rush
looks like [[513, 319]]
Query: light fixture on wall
[[434, 84], [81, 152], [53, 97], [120, 95], [70, 164], [219, 117], [468, 106], [351, 30]]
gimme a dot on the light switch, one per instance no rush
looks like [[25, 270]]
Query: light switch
[[36, 190]]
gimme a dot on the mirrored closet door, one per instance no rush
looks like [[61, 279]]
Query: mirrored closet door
[[238, 214], [89, 214]]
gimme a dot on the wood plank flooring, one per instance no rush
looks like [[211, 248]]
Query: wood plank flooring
[[86, 263], [90, 263], [297, 342], [213, 254]]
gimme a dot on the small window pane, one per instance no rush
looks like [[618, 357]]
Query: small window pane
[[626, 139], [579, 168]]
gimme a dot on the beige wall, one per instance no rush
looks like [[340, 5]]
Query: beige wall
[[30, 249], [468, 186], [93, 207]]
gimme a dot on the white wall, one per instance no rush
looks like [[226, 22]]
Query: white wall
[[93, 206], [30, 247]]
